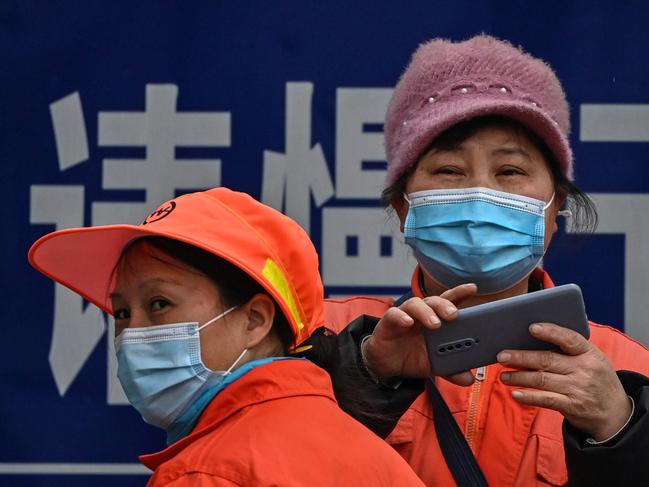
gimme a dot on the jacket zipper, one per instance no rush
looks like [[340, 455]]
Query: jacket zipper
[[472, 416]]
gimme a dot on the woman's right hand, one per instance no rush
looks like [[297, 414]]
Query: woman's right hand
[[397, 348]]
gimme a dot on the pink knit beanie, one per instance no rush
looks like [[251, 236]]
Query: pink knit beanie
[[447, 83]]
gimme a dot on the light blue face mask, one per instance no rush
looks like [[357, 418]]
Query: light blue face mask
[[479, 235], [161, 370]]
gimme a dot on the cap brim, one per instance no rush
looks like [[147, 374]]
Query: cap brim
[[84, 259]]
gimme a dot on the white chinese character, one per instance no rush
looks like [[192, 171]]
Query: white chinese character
[[360, 153], [360, 247], [291, 178], [76, 330], [626, 214], [160, 128]]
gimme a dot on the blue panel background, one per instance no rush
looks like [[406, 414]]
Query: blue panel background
[[237, 57]]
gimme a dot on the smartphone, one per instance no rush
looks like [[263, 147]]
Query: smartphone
[[480, 332]]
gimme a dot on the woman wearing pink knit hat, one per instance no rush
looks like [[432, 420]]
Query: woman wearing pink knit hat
[[479, 158]]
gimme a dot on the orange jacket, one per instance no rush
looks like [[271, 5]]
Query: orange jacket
[[279, 425], [516, 445]]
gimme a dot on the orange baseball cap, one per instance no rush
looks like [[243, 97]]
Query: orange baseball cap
[[261, 241]]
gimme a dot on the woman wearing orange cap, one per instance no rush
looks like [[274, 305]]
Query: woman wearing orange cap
[[479, 165], [209, 295]]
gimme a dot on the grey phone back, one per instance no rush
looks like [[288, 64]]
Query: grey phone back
[[480, 332]]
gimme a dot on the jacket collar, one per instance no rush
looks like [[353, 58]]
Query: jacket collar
[[275, 380]]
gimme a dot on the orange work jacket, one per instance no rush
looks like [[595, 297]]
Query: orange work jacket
[[279, 425], [516, 445]]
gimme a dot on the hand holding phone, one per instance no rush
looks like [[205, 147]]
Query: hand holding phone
[[480, 332]]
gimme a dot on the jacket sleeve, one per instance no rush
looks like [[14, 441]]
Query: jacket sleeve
[[377, 406], [624, 459]]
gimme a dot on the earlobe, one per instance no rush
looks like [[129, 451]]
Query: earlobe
[[261, 314]]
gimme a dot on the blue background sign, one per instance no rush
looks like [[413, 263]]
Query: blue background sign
[[110, 108]]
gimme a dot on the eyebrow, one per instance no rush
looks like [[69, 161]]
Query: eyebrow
[[148, 282], [512, 150], [507, 150]]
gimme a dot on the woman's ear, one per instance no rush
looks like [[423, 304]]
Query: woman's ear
[[261, 315], [401, 207], [561, 198], [551, 226]]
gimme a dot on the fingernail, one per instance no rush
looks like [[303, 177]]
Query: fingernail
[[450, 310], [517, 394], [504, 357], [505, 376], [536, 328], [434, 321], [407, 320]]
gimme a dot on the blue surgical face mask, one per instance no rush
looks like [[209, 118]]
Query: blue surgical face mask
[[479, 235], [161, 370]]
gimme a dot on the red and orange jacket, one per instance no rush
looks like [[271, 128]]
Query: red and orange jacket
[[516, 445], [279, 425]]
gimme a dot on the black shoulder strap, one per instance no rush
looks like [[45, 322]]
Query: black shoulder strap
[[403, 299], [457, 452]]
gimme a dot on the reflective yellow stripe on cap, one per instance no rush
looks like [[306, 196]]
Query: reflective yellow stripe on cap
[[274, 274]]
